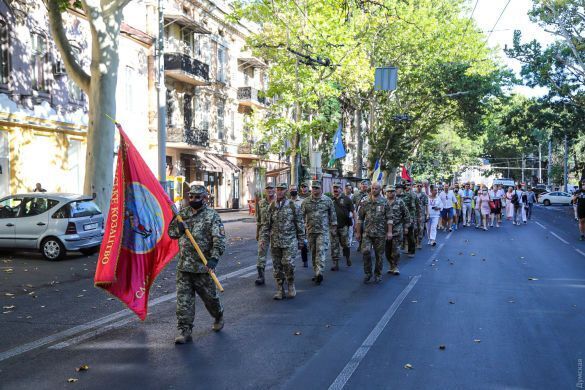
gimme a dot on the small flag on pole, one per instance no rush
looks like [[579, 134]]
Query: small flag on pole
[[404, 174], [338, 151], [377, 176], [136, 246]]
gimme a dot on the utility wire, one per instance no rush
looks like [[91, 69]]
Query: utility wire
[[470, 18], [497, 21]]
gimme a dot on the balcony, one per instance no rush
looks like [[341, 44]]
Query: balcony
[[186, 69], [190, 136], [245, 149], [248, 96]]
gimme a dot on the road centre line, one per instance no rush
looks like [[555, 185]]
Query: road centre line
[[559, 237], [102, 321], [363, 350], [580, 251], [541, 225]]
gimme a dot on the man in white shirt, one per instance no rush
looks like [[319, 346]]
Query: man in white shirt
[[466, 198], [519, 206], [448, 199]]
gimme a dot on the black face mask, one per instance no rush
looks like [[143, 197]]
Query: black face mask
[[196, 204], [294, 193]]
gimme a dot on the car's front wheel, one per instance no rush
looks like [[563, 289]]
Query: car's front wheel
[[52, 249], [546, 202], [90, 251]]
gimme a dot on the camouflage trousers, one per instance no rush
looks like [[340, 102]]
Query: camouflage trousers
[[283, 264], [339, 239], [377, 244], [392, 252], [421, 230], [188, 284], [319, 246], [262, 252]]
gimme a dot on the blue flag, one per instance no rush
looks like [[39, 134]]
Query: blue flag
[[377, 176], [338, 151]]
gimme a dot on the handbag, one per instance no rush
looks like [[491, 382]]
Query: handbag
[[492, 205]]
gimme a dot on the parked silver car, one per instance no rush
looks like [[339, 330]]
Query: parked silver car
[[52, 222]]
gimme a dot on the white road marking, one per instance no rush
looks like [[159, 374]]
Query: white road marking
[[254, 273], [541, 225], [89, 326], [363, 350], [559, 237], [581, 252]]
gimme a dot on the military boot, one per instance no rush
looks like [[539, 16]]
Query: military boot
[[292, 291], [218, 324], [335, 266], [183, 336], [260, 280], [346, 254], [279, 294]]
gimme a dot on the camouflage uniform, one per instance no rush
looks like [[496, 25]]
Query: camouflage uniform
[[377, 215], [412, 203], [423, 201], [192, 276], [340, 236], [261, 212], [318, 214], [358, 200], [400, 218], [284, 228]]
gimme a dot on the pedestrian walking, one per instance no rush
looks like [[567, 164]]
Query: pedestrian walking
[[484, 207], [349, 194], [404, 192], [339, 236], [448, 199], [518, 202], [319, 214], [296, 198], [579, 200], [457, 207], [423, 200], [434, 208], [530, 200], [375, 217], [193, 277], [261, 212], [466, 209], [285, 231], [510, 205], [496, 211], [477, 208], [401, 219]]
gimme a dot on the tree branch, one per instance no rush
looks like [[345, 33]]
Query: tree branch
[[74, 69], [113, 6]]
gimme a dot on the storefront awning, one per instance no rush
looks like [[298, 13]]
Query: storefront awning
[[224, 163], [205, 163]]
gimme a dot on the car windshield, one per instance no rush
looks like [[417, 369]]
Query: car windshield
[[83, 208]]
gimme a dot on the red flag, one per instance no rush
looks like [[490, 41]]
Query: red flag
[[404, 175], [136, 246]]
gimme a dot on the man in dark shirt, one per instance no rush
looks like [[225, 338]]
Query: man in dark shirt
[[579, 200], [343, 209]]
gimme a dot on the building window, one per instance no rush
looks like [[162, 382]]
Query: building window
[[40, 63], [220, 118], [188, 41], [222, 66], [75, 93], [188, 111], [204, 114], [4, 53]]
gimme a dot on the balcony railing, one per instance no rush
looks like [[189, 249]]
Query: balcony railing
[[250, 96], [187, 69], [245, 149], [191, 136]]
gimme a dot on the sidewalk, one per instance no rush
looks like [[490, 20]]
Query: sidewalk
[[228, 215]]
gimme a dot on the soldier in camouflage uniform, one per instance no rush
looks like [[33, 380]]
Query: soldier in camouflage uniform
[[260, 221], [192, 276], [340, 236], [358, 200], [400, 220], [298, 198], [411, 201], [319, 214], [285, 230], [376, 217], [423, 201]]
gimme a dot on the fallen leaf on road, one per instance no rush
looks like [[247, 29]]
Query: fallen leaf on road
[[460, 253], [511, 302], [328, 326], [7, 261], [8, 307], [532, 278], [521, 257], [473, 254], [84, 367], [297, 333], [80, 296], [7, 312], [442, 347], [8, 270], [451, 263], [72, 380], [28, 285], [408, 366], [28, 317], [477, 341], [414, 301], [9, 295], [43, 306], [452, 302], [239, 263]]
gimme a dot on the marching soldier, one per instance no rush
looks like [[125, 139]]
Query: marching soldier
[[358, 200], [319, 214], [413, 205], [377, 215], [400, 220], [285, 230], [340, 237], [298, 200], [260, 221], [423, 201], [192, 276]]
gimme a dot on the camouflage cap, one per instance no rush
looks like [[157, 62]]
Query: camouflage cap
[[315, 184], [399, 185], [390, 188], [269, 185], [365, 181], [303, 184], [197, 189], [282, 185], [337, 184]]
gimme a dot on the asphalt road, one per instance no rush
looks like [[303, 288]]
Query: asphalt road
[[482, 310]]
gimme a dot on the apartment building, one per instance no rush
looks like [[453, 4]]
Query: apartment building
[[215, 89]]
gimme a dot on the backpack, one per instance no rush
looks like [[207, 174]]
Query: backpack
[[515, 201]]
